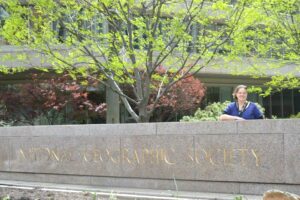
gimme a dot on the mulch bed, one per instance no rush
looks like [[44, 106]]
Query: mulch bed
[[38, 194]]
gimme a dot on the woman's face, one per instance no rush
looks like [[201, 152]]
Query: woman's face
[[241, 94]]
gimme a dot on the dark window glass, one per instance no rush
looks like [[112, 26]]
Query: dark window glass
[[267, 104], [287, 103], [296, 100], [212, 95], [252, 97], [226, 93], [276, 104]]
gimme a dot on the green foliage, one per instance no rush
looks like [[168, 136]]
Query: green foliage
[[7, 197], [94, 195], [280, 82], [238, 198], [125, 41], [112, 196], [267, 41], [295, 116], [8, 70], [212, 112], [5, 123]]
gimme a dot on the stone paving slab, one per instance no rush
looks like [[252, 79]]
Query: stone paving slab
[[119, 193]]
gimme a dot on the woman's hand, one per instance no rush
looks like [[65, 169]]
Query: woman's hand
[[239, 118]]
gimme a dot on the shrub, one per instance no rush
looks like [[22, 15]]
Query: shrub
[[6, 123], [210, 113], [295, 116]]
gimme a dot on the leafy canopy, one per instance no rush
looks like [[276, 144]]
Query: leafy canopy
[[125, 42]]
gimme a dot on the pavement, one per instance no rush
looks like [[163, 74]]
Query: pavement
[[124, 193]]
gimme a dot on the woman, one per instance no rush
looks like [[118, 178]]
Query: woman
[[241, 109]]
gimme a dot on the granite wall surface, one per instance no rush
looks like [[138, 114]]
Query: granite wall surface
[[234, 157]]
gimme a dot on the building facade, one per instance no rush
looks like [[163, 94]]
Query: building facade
[[219, 86]]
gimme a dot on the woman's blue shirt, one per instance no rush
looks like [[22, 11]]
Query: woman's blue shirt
[[249, 112]]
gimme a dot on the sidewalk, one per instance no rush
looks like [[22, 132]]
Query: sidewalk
[[67, 191]]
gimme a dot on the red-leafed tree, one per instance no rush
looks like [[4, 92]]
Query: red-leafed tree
[[59, 100], [56, 100], [183, 97]]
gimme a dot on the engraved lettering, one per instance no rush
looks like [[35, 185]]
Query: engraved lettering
[[23, 154], [166, 157], [97, 156], [114, 160], [213, 156], [54, 155], [257, 160], [227, 156], [243, 153], [208, 156], [136, 156], [191, 155], [147, 153], [125, 155], [85, 157]]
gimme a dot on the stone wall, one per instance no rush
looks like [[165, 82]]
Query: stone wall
[[235, 157]]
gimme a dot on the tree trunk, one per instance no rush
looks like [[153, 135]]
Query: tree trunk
[[113, 105], [144, 115]]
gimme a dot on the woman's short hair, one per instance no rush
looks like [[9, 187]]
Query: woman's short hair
[[236, 90]]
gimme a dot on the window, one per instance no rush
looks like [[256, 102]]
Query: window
[[296, 99], [282, 104], [288, 104], [212, 95]]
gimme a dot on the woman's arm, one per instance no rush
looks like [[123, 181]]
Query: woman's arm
[[226, 117]]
